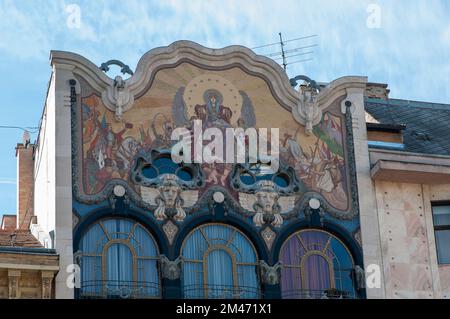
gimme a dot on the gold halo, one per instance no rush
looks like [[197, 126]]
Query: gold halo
[[195, 89]]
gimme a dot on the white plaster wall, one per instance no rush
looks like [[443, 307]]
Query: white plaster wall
[[44, 198], [53, 184], [63, 178]]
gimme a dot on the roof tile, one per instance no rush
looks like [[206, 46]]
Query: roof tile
[[427, 124], [18, 238]]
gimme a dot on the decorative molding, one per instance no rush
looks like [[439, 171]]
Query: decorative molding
[[75, 219], [13, 284], [360, 277], [270, 274], [172, 55], [187, 51], [143, 160], [269, 236], [307, 111], [171, 230], [351, 161], [170, 269], [357, 236], [295, 185], [313, 99], [117, 97], [266, 204], [125, 69], [47, 279]]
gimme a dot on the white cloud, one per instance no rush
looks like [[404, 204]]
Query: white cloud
[[409, 51], [10, 181]]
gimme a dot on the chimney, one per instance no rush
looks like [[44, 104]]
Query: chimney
[[25, 182], [9, 222], [377, 91]]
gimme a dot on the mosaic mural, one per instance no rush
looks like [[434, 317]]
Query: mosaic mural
[[226, 98]]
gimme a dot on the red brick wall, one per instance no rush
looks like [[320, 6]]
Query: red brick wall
[[25, 185]]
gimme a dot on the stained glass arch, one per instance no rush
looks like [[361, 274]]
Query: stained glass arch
[[316, 264], [219, 261], [118, 258]]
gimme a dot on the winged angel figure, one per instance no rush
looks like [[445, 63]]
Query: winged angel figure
[[169, 198], [267, 204]]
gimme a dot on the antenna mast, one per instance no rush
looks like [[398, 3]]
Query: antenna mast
[[295, 50]]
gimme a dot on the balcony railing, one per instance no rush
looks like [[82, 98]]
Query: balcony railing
[[319, 294], [119, 289], [221, 292], [111, 289]]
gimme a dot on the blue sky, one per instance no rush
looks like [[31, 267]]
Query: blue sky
[[406, 46]]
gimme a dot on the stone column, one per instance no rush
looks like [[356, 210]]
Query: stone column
[[13, 284], [47, 281], [63, 178]]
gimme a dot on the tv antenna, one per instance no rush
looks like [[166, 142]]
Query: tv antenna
[[289, 49]]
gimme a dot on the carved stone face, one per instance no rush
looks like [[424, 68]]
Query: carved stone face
[[169, 193], [272, 276], [172, 271], [267, 200]]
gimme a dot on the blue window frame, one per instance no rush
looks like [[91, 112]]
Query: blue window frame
[[118, 259], [164, 165], [219, 262]]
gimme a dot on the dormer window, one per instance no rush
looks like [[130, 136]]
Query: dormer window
[[387, 136]]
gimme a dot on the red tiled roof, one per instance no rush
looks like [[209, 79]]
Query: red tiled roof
[[18, 238]]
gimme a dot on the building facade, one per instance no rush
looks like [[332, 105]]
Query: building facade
[[355, 209]]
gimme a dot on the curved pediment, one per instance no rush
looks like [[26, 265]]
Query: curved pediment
[[173, 55], [119, 96]]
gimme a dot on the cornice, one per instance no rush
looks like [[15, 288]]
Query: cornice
[[119, 95]]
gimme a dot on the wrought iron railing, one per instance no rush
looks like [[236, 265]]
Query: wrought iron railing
[[318, 294], [111, 289], [119, 289], [221, 292]]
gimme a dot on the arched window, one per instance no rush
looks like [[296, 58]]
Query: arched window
[[118, 259], [219, 262], [260, 171], [316, 264]]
